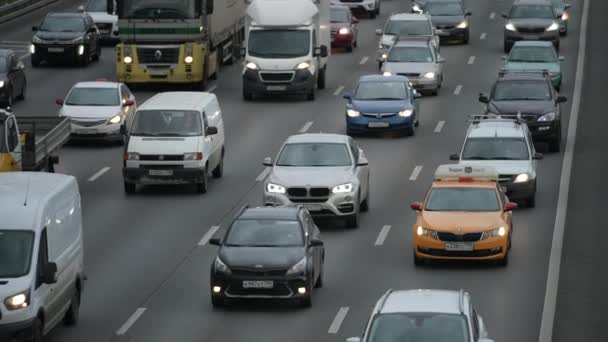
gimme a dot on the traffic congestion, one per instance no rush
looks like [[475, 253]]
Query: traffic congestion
[[368, 171]]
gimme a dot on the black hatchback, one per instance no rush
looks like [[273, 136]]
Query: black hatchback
[[268, 253], [69, 37], [12, 77]]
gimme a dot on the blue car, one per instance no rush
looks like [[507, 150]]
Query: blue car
[[382, 103]]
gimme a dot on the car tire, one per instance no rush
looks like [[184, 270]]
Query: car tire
[[435, 92], [355, 43], [321, 79], [350, 132], [37, 332], [71, 316], [417, 261], [22, 93], [352, 221], [504, 261], [202, 186], [555, 145], [97, 55], [130, 188], [311, 94], [319, 282], [465, 39], [247, 95], [217, 301], [365, 204], [9, 97], [218, 172]]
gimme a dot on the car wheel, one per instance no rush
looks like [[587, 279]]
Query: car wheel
[[319, 283], [247, 95], [555, 145], [504, 261], [36, 334], [321, 79], [35, 62], [84, 61], [201, 187], [435, 92], [130, 188], [311, 95], [365, 204], [217, 301], [22, 94], [531, 201], [219, 169], [9, 97], [465, 39], [352, 221], [71, 316], [355, 43]]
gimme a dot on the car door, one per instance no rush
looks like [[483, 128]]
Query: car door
[[532, 149], [45, 293], [14, 79], [361, 172], [315, 234], [311, 252], [91, 35]]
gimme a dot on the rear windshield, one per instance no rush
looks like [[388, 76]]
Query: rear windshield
[[462, 199]]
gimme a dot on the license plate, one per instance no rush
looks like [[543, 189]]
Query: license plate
[[55, 49], [376, 124], [158, 72], [275, 88], [104, 31], [458, 246], [258, 284], [160, 172], [532, 38], [313, 207]]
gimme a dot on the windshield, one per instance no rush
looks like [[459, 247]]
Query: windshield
[[495, 149], [533, 54], [16, 248], [62, 24], [418, 327], [265, 233], [532, 11], [444, 8], [381, 91], [522, 90], [279, 43], [410, 55], [3, 64], [462, 199], [97, 6], [408, 28], [93, 97], [340, 15], [167, 123], [158, 9], [314, 154]]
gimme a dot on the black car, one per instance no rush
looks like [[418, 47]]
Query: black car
[[12, 77], [532, 95], [450, 19], [268, 252], [69, 37]]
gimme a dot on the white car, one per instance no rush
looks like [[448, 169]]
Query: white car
[[98, 109], [105, 22]]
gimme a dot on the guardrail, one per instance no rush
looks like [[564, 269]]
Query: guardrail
[[18, 8]]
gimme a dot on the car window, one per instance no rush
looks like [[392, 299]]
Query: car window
[[495, 148], [533, 54], [63, 24], [314, 154], [462, 199], [354, 149], [264, 233], [522, 90], [93, 97], [418, 327], [385, 90], [532, 11], [475, 325], [408, 28], [3, 64], [410, 54]]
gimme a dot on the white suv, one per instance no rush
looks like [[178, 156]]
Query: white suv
[[506, 145], [424, 315]]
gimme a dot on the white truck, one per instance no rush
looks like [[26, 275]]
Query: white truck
[[286, 49]]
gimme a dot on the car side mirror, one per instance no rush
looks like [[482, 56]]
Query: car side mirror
[[267, 161], [123, 129], [316, 243], [347, 95], [416, 206], [353, 339], [378, 32], [321, 51], [215, 241], [355, 20], [209, 7], [504, 15], [80, 8], [211, 130], [362, 161], [34, 28], [92, 29], [440, 59], [59, 102], [562, 58], [561, 99], [468, 14], [128, 103], [537, 156], [454, 157], [243, 51], [49, 273], [510, 206], [483, 98]]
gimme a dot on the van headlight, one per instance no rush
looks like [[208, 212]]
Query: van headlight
[[18, 301], [298, 268], [547, 117], [553, 27], [522, 178], [220, 266], [510, 27], [406, 113], [429, 75], [116, 119], [302, 66], [342, 188], [498, 232], [275, 188], [387, 73], [251, 66], [352, 113]]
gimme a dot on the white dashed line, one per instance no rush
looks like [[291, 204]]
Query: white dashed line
[[483, 36], [416, 172], [340, 316], [492, 15], [382, 236], [458, 90], [263, 175], [212, 88], [439, 126], [338, 91], [306, 127], [471, 60], [99, 174], [134, 317], [208, 235], [364, 60]]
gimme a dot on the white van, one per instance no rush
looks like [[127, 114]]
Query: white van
[[41, 253], [175, 138]]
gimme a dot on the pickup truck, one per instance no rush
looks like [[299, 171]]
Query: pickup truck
[[29, 143]]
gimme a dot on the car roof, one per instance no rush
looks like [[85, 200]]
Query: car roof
[[533, 43], [409, 17], [178, 100], [420, 301], [317, 138], [495, 128], [381, 78], [97, 84], [275, 213]]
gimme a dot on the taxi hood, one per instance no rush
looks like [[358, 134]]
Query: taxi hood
[[469, 222]]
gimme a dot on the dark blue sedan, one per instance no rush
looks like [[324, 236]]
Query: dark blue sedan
[[382, 103]]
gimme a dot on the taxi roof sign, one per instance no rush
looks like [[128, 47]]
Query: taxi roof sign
[[466, 172]]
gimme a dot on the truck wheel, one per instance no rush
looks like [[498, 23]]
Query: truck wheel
[[130, 188], [321, 79]]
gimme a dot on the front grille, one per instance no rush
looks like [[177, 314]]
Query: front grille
[[462, 254], [297, 192], [160, 167], [276, 76], [279, 290], [506, 178], [379, 115], [158, 56], [409, 74], [87, 123], [445, 27], [307, 200], [531, 29], [351, 1], [244, 272], [453, 237], [164, 157], [319, 192]]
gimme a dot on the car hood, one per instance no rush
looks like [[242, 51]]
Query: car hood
[[551, 67], [401, 67], [441, 20], [311, 176], [101, 17], [45, 35], [382, 106], [268, 257], [164, 145], [525, 107], [90, 112], [503, 167], [532, 22], [453, 221]]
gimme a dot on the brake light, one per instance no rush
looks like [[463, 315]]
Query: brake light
[[199, 155], [125, 156], [465, 179]]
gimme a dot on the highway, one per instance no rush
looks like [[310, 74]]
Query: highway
[[148, 264]]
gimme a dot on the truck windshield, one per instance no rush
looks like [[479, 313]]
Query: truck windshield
[[279, 43], [159, 9], [15, 253], [167, 123]]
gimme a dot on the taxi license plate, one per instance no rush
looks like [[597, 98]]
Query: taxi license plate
[[55, 49], [312, 207], [276, 88], [376, 124], [160, 172], [258, 284], [458, 246]]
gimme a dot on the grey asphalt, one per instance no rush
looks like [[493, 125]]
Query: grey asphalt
[[141, 251]]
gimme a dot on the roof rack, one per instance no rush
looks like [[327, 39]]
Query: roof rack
[[461, 301], [491, 117], [384, 298], [504, 72]]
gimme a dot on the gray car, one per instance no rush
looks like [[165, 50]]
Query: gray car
[[450, 19], [328, 174], [531, 20], [419, 61]]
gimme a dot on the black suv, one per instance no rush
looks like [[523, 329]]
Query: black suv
[[66, 36], [532, 95]]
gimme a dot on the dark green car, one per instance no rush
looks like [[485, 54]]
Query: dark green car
[[535, 55]]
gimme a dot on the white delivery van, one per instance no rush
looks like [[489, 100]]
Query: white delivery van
[[175, 138], [41, 253]]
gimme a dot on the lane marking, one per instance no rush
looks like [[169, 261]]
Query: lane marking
[[208, 235], [364, 60], [306, 127], [416, 172], [439, 126], [549, 306], [212, 88], [338, 91], [492, 15], [99, 173], [471, 60], [263, 175], [134, 317], [340, 316], [458, 90], [483, 36], [382, 236]]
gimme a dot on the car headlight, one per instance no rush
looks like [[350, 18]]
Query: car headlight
[[220, 267], [553, 27], [189, 59], [128, 60], [547, 117], [462, 25], [80, 50], [251, 66], [18, 301], [406, 113], [116, 119], [352, 113], [32, 49], [510, 27], [522, 178], [342, 188], [298, 268], [1, 84], [384, 56], [275, 188], [344, 30], [498, 232], [421, 231], [429, 75], [193, 156], [302, 66], [565, 16], [387, 73], [132, 156], [417, 8]]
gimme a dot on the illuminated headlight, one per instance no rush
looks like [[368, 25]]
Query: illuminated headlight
[[220, 267], [406, 113], [429, 75], [32, 49], [188, 59], [352, 113], [547, 117], [498, 232], [510, 27], [553, 27], [251, 66], [342, 188], [522, 178], [298, 268], [133, 156], [565, 16], [80, 50], [275, 188], [344, 30], [421, 231], [387, 73], [417, 8], [302, 66], [116, 119], [462, 25], [19, 301], [128, 60], [1, 84], [384, 55]]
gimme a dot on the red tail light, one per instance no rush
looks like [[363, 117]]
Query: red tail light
[[199, 155], [125, 155]]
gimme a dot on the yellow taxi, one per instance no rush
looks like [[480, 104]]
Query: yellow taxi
[[466, 215]]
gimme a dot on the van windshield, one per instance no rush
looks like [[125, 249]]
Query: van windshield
[[16, 248], [167, 123], [279, 43]]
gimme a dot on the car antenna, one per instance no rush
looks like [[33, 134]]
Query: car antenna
[[27, 191]]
